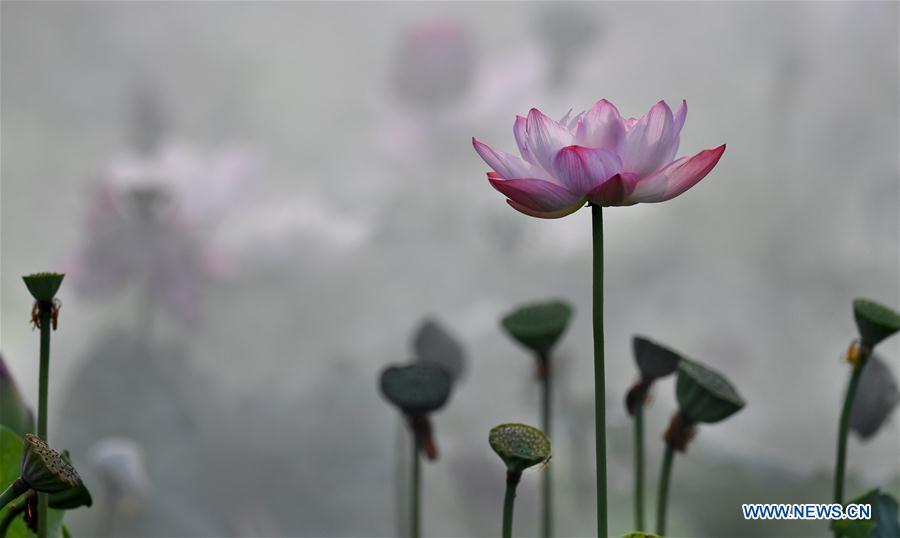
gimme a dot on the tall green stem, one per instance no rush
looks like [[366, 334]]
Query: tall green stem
[[841, 464], [662, 501], [509, 501], [43, 387], [546, 420], [599, 374], [415, 529], [639, 466]]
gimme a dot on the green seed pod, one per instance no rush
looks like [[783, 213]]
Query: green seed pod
[[653, 360], [43, 286], [44, 469], [639, 534], [538, 326], [874, 321], [416, 389], [519, 446], [704, 395]]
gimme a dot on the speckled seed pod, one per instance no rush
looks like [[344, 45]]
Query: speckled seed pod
[[44, 469], [519, 446]]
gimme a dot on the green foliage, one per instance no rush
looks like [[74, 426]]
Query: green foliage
[[43, 286], [416, 389], [883, 524], [705, 395], [14, 413], [11, 446], [538, 326], [874, 321], [519, 446]]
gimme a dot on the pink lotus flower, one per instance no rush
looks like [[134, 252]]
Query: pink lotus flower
[[595, 157]]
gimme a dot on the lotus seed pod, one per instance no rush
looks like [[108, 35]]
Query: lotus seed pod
[[519, 446], [434, 345], [71, 498], [44, 469], [654, 360], [704, 395], [874, 321], [637, 395], [43, 286], [538, 326], [876, 398], [416, 389]]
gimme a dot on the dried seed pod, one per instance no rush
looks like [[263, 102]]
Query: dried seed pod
[[44, 469]]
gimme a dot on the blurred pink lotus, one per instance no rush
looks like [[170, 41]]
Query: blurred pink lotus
[[597, 157], [149, 223]]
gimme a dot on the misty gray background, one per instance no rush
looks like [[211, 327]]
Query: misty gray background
[[364, 213]]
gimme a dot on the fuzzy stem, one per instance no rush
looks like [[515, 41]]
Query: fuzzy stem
[[415, 530], [841, 463], [43, 387], [662, 502], [599, 377], [639, 466], [17, 488], [546, 425], [509, 501]]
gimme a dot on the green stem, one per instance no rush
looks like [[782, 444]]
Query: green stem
[[400, 483], [841, 464], [639, 466], [14, 510], [43, 386], [509, 501], [17, 488], [415, 530], [599, 376], [662, 502], [546, 420]]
